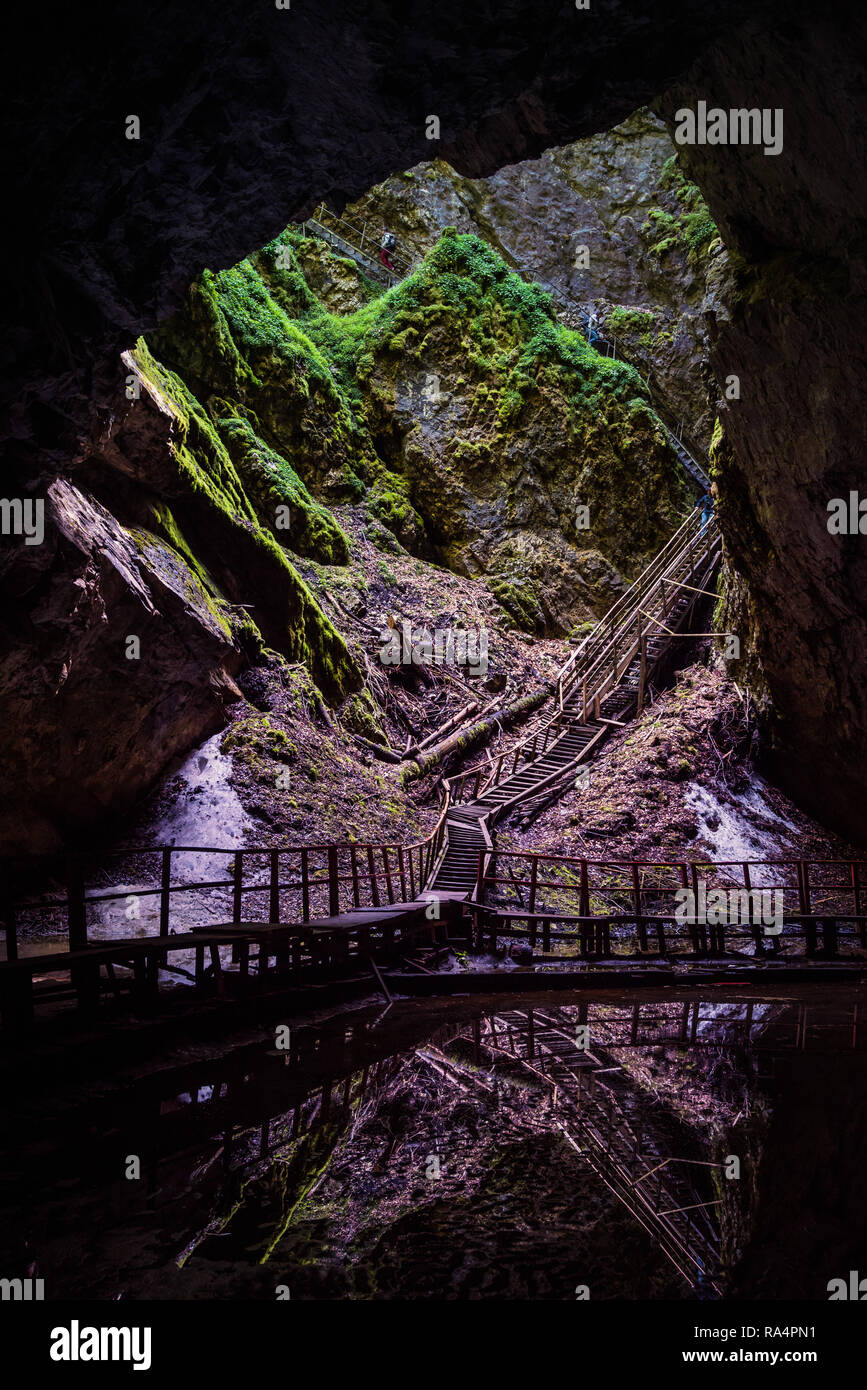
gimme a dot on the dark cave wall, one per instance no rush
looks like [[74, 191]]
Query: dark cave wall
[[250, 115], [793, 334]]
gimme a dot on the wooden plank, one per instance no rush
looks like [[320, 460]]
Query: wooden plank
[[274, 886], [333, 885]]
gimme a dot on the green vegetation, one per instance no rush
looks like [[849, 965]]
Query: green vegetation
[[688, 225], [280, 407], [631, 323]]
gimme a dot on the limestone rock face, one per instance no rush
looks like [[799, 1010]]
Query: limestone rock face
[[609, 222], [102, 599], [788, 324], [245, 125]]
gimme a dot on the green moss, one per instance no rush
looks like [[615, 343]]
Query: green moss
[[257, 738], [212, 494], [518, 602], [361, 714], [274, 486], [686, 224], [631, 323]]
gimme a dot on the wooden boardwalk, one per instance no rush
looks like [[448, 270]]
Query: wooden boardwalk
[[270, 919]]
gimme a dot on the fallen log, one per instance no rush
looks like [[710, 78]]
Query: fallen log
[[477, 733], [387, 754], [444, 729]]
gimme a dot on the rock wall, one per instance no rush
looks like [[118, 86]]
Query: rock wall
[[789, 326], [245, 125], [653, 257], [484, 434]]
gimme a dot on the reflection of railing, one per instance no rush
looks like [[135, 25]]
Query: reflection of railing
[[635, 907], [618, 1129], [349, 238]]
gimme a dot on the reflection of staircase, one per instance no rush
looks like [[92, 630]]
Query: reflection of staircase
[[620, 1132]]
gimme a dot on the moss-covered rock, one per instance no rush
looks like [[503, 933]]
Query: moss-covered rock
[[478, 425]]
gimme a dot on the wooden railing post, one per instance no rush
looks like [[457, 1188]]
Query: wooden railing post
[[639, 917], [584, 892], [387, 867], [412, 892], [333, 885], [642, 674], [756, 931], [353, 860], [8, 909], [480, 879], [165, 891], [274, 886], [237, 886], [374, 886], [700, 928], [305, 887], [76, 906]]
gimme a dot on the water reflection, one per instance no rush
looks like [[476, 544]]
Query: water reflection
[[516, 1147]]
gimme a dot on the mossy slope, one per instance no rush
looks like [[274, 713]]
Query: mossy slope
[[473, 423]]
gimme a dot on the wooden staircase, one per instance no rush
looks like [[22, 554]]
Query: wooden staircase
[[602, 686]]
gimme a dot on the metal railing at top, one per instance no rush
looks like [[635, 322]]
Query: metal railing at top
[[358, 240]]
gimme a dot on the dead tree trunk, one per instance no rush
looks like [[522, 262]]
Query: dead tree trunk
[[477, 733]]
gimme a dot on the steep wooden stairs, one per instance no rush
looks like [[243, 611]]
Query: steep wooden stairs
[[601, 687]]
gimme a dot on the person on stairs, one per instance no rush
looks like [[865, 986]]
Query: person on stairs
[[386, 246]]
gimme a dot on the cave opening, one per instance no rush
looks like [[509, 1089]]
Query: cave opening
[[427, 570]]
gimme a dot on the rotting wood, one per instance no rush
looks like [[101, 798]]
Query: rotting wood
[[479, 732]]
